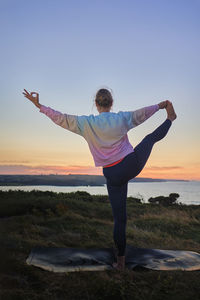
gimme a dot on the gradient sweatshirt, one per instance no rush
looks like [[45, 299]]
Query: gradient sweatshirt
[[106, 133]]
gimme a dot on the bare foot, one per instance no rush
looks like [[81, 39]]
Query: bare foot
[[171, 115], [120, 265]]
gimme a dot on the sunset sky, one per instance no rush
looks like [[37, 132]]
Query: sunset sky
[[146, 51]]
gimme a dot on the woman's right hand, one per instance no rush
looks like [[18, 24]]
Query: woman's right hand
[[33, 99], [163, 104]]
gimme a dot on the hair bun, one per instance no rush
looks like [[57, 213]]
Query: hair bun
[[104, 98]]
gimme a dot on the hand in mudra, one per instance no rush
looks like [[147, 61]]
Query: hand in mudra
[[163, 104], [30, 96]]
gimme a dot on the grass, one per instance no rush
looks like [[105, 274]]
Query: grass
[[36, 218]]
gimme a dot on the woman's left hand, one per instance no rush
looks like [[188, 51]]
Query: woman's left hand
[[33, 99]]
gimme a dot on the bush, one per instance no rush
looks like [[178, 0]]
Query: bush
[[166, 201]]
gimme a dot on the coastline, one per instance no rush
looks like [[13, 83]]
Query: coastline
[[68, 180]]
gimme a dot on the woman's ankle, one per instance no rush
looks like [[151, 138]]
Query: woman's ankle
[[171, 115], [120, 265], [121, 260]]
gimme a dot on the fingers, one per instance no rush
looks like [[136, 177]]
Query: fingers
[[26, 93], [30, 95]]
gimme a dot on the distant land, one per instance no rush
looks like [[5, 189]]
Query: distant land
[[66, 180]]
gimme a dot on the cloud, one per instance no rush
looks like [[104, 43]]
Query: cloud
[[42, 169], [164, 168], [14, 161]]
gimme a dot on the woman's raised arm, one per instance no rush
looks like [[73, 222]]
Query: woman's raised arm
[[144, 113], [67, 121]]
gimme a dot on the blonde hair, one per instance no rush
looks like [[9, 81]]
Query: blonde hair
[[104, 98]]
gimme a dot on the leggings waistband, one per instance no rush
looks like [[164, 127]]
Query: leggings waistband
[[116, 162]]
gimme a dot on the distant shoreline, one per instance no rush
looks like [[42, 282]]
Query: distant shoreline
[[67, 180]]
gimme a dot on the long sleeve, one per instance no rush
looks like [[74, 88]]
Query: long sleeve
[[66, 121], [142, 114]]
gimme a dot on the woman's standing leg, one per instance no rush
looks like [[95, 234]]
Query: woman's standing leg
[[117, 197]]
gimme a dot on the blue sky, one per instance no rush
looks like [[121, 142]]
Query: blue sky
[[145, 51]]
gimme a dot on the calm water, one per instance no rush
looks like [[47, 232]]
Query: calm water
[[189, 191]]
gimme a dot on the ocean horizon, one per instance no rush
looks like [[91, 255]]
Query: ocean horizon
[[189, 191]]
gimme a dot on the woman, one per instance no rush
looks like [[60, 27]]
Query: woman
[[106, 135]]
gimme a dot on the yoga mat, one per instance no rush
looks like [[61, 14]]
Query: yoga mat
[[99, 259]]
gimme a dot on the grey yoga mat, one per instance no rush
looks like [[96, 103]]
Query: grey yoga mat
[[81, 259]]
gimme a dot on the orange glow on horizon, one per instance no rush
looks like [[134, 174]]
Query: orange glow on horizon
[[174, 172]]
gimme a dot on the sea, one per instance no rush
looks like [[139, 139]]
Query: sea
[[189, 191]]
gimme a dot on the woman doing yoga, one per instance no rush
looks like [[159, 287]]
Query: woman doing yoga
[[106, 135]]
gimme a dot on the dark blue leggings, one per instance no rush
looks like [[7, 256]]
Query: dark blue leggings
[[117, 178]]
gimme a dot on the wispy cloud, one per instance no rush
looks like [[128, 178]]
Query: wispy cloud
[[10, 161], [164, 168], [42, 169]]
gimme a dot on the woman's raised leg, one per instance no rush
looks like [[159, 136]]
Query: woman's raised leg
[[143, 149]]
